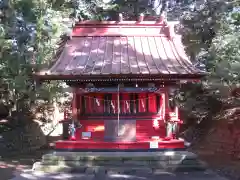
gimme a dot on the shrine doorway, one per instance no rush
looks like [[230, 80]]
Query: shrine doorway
[[120, 130]]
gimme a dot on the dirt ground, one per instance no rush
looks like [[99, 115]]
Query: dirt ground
[[8, 165], [221, 163], [7, 169]]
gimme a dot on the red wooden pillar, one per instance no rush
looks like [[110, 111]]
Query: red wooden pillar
[[166, 115], [166, 101], [74, 104], [79, 104], [89, 103], [163, 106], [161, 111], [74, 114], [78, 101]]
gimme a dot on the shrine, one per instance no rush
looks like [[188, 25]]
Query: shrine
[[122, 74]]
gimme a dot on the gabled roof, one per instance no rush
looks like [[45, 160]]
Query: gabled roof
[[124, 51]]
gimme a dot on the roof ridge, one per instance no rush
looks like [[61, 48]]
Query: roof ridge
[[166, 30], [161, 21], [119, 23]]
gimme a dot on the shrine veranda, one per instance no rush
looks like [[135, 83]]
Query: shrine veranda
[[122, 75]]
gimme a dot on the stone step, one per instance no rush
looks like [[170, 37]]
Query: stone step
[[115, 169], [67, 161], [138, 163], [119, 156], [38, 166]]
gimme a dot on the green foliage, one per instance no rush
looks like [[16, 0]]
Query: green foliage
[[91, 9], [224, 53], [29, 34], [30, 30], [211, 36], [201, 25]]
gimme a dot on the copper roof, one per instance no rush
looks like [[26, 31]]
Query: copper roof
[[123, 50]]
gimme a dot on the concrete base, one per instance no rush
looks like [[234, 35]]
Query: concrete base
[[119, 162]]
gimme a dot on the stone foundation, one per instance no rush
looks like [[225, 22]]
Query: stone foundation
[[119, 161]]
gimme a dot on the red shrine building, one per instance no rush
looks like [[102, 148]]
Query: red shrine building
[[121, 74]]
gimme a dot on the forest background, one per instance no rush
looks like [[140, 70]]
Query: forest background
[[32, 32]]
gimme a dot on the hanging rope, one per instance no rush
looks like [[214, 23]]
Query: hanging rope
[[116, 104], [105, 100], [156, 92]]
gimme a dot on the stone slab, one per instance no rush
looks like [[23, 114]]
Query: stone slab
[[126, 154], [119, 156]]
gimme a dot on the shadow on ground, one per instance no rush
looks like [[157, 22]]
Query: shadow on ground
[[19, 168], [9, 165], [140, 176]]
